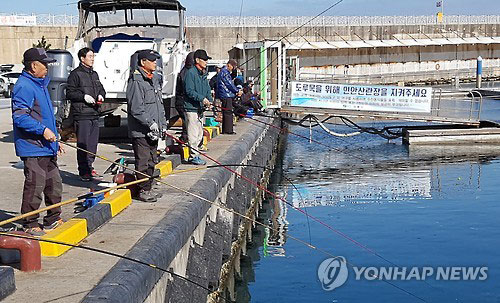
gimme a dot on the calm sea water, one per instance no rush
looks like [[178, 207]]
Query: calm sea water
[[424, 207]]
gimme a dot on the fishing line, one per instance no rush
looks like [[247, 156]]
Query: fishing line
[[257, 166], [238, 214], [280, 198], [363, 160], [109, 253], [293, 31], [71, 201]]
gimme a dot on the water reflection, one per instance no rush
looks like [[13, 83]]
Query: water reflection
[[426, 193], [275, 239]]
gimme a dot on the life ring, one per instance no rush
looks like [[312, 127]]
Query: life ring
[[438, 66]]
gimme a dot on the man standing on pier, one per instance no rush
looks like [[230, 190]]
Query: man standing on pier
[[146, 120], [198, 96], [226, 91], [35, 139], [86, 94]]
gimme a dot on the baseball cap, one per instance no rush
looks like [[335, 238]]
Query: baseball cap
[[202, 54], [37, 54], [148, 54]]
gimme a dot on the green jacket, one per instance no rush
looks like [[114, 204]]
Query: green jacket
[[197, 88]]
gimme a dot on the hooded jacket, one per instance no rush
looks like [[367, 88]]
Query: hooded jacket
[[144, 104], [32, 112], [84, 81], [225, 87]]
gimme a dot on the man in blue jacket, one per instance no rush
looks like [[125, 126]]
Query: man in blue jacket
[[35, 141], [226, 91]]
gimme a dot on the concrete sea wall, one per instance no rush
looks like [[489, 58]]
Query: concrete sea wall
[[196, 239], [219, 40]]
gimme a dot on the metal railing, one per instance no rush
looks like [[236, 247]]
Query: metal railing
[[292, 21], [234, 21], [391, 78]]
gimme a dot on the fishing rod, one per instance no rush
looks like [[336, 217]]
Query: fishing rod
[[282, 199], [293, 31], [283, 129], [71, 201], [109, 253], [330, 148], [218, 205]]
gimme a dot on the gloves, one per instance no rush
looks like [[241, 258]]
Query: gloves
[[89, 100], [100, 100], [154, 134], [154, 127]]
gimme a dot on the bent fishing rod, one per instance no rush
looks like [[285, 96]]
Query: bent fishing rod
[[343, 235], [246, 217]]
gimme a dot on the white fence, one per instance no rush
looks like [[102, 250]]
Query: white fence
[[38, 20], [235, 21]]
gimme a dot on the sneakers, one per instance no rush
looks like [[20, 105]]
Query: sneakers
[[96, 175], [155, 193], [53, 226], [197, 161], [146, 196], [89, 177], [86, 178], [34, 231]]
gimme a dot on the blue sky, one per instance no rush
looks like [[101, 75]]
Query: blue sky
[[285, 7]]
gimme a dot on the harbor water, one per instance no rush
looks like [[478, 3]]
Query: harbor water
[[389, 206]]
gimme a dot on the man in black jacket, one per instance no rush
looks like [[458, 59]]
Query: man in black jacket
[[180, 93], [86, 93], [146, 119]]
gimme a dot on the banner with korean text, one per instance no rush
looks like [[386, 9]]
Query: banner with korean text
[[15, 20], [362, 97]]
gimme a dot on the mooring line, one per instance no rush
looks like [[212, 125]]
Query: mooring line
[[239, 214]]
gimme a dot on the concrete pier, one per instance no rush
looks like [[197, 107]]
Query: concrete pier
[[193, 238]]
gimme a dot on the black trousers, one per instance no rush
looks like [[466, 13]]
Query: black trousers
[[146, 157], [42, 178], [87, 137], [227, 115]]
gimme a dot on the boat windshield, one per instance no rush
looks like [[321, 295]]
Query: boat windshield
[[152, 23]]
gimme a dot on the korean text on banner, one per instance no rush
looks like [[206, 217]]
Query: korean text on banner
[[361, 97]]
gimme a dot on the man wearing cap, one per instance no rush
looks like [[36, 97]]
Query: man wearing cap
[[146, 119], [35, 140], [198, 96], [86, 94], [226, 91]]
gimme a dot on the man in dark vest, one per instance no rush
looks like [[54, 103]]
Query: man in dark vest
[[86, 94], [146, 120]]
